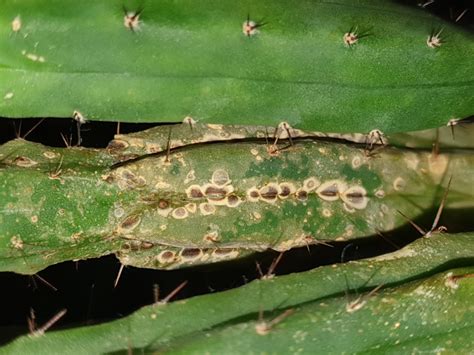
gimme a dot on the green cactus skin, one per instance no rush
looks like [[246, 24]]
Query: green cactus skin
[[441, 297], [192, 58], [161, 211]]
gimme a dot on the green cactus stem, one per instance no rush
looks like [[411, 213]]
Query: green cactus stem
[[211, 202], [420, 295], [326, 66]]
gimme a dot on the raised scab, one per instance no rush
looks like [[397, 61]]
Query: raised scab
[[194, 192], [179, 213], [269, 193], [331, 190], [131, 222], [311, 184], [355, 197], [206, 209], [286, 189], [220, 177], [191, 253], [24, 162]]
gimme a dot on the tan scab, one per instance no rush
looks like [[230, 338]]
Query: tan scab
[[131, 222], [163, 204], [220, 178], [34, 219], [257, 216], [286, 189], [130, 180], [117, 144], [331, 190], [212, 237], [254, 152], [194, 192], [269, 193], [233, 200], [355, 197], [225, 253], [216, 194], [166, 257], [326, 213], [302, 194], [190, 177], [380, 193], [191, 253], [24, 162], [253, 195], [179, 213], [152, 148], [146, 245], [191, 207], [16, 242], [311, 184], [399, 184], [50, 155], [207, 209], [356, 162]]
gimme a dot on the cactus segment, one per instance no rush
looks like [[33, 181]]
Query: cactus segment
[[324, 66], [444, 296], [62, 204]]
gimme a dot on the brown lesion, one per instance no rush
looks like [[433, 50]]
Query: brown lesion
[[191, 253], [215, 193], [130, 222]]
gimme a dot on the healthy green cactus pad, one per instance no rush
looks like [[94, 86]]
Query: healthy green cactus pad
[[423, 301], [326, 66]]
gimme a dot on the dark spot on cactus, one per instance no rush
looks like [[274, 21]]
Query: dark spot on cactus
[[254, 194], [355, 196], [302, 195], [126, 246], [223, 251], [117, 144], [146, 245], [24, 162], [284, 191], [330, 191], [163, 204], [195, 193], [215, 193], [232, 200], [269, 193], [167, 255], [131, 222], [179, 213], [191, 253]]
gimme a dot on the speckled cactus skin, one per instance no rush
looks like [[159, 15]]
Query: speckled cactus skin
[[326, 66], [424, 293], [204, 203]]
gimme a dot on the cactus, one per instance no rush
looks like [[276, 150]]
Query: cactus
[[287, 124], [172, 209], [322, 66], [422, 303]]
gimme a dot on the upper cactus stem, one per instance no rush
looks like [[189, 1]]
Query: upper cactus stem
[[335, 67]]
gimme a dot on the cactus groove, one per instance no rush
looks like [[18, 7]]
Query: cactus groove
[[326, 66]]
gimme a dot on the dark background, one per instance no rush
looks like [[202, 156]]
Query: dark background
[[86, 288]]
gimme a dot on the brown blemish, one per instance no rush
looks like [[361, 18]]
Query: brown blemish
[[131, 222], [233, 201], [311, 183], [269, 192], [163, 204], [225, 253], [215, 193], [220, 177], [179, 213], [330, 190], [355, 197], [212, 237], [194, 191], [206, 209], [24, 162], [34, 219], [191, 253], [166, 257], [146, 245], [253, 195], [286, 189], [399, 184], [302, 194], [117, 144], [191, 207]]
